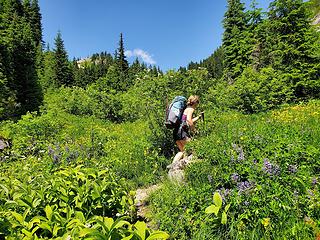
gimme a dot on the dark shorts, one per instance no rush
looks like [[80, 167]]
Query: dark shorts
[[181, 132]]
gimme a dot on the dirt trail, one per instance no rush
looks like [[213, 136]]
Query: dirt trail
[[175, 174]]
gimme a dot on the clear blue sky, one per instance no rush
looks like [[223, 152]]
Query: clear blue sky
[[167, 33]]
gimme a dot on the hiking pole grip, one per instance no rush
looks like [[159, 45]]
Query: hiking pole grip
[[202, 116]]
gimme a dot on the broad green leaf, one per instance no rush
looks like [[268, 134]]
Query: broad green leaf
[[79, 215], [128, 237], [73, 223], [18, 217], [10, 202], [224, 218], [120, 223], [24, 203], [141, 228], [34, 230], [45, 225], [27, 233], [48, 211], [108, 222], [6, 190], [55, 230], [158, 235], [36, 202], [92, 232], [16, 196], [217, 199], [34, 220], [212, 209], [227, 208]]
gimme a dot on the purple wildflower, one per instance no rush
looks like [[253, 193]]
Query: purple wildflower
[[235, 177], [244, 187], [310, 194], [239, 150], [235, 146], [276, 170], [314, 181], [269, 168], [56, 158], [241, 154]]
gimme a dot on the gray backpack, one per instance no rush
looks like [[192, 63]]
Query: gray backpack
[[174, 112]]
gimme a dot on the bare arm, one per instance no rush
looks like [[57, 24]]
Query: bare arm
[[191, 121]]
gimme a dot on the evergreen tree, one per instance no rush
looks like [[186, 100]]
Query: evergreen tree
[[62, 70], [214, 64], [123, 80], [47, 74], [293, 46], [121, 60], [19, 51], [235, 40], [35, 21]]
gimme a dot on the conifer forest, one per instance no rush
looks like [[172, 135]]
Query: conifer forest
[[81, 137]]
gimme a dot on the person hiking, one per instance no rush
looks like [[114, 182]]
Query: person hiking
[[182, 133]]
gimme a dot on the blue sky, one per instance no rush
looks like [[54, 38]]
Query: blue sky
[[167, 33]]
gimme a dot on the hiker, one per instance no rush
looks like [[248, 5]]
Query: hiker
[[182, 133]]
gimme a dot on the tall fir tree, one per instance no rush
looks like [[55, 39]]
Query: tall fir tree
[[293, 46], [235, 40], [62, 69], [214, 64], [121, 60], [123, 81], [19, 51]]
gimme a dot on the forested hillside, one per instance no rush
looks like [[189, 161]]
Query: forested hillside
[[78, 137]]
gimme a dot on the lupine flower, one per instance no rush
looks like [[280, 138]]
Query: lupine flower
[[56, 158], [276, 170], [254, 161], [314, 181], [310, 194], [235, 146], [235, 177], [271, 169], [210, 178], [244, 187], [241, 155]]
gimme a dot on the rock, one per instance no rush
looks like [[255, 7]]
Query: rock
[[3, 144], [316, 20], [176, 175], [141, 199], [176, 169]]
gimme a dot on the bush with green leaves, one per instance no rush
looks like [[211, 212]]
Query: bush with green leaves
[[254, 91], [69, 202]]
